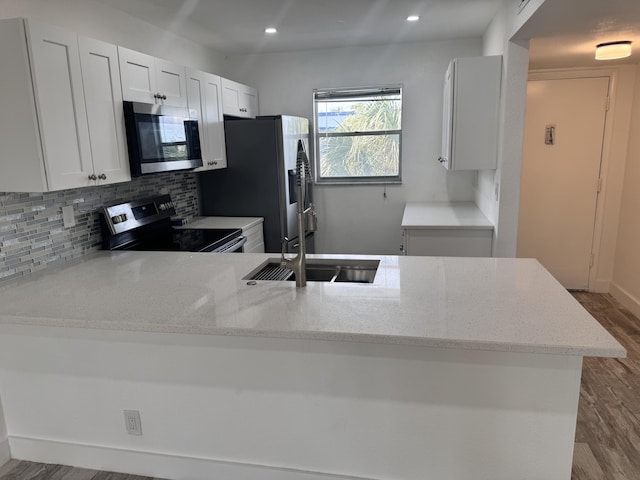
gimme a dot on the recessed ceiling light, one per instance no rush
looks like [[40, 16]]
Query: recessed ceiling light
[[413, 18], [613, 50], [270, 30]]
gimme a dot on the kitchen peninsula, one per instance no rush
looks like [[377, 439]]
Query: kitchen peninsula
[[447, 368]]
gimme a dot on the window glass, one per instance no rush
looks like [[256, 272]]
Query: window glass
[[358, 135]]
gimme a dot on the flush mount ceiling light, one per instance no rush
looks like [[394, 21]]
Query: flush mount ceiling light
[[270, 30], [413, 18], [613, 50]]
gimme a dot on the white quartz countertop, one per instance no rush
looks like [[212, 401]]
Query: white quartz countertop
[[224, 222], [464, 303], [426, 215]]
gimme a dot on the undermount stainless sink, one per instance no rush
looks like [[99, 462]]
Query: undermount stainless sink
[[320, 270]]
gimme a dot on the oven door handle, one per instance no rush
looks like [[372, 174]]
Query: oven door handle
[[234, 246]]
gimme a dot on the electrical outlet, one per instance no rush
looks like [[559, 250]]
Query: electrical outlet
[[132, 422], [68, 218]]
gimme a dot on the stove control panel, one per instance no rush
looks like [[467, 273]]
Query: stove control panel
[[130, 215]]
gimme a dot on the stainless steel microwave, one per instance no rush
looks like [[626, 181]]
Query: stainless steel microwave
[[161, 138]]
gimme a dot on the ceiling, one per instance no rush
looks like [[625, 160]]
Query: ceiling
[[237, 26], [563, 32]]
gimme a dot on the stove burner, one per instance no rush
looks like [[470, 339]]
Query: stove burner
[[146, 225]]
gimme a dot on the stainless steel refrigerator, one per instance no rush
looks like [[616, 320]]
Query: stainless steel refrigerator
[[260, 177]]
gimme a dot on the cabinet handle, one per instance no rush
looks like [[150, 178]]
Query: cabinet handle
[[93, 177], [102, 176], [442, 159]]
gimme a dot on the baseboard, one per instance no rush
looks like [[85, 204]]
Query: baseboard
[[153, 464], [5, 453], [625, 298], [599, 286]]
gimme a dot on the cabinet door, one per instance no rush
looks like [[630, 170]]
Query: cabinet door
[[249, 101], [447, 120], [205, 103], [214, 121], [103, 95], [231, 98], [60, 103], [239, 100], [197, 107], [137, 73], [171, 82]]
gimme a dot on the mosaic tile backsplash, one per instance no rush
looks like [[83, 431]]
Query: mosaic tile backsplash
[[32, 235]]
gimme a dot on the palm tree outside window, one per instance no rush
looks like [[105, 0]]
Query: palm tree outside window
[[358, 134]]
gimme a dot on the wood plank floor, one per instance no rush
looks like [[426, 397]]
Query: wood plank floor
[[21, 470], [607, 431], [608, 428]]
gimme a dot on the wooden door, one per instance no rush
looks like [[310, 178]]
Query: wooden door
[[103, 94], [560, 178]]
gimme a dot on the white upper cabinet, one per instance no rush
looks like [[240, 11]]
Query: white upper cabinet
[[44, 131], [148, 79], [239, 100], [471, 109], [204, 95], [103, 95]]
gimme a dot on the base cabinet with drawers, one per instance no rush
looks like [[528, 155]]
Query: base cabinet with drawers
[[446, 230]]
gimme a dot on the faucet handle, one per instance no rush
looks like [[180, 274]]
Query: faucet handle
[[284, 243], [312, 219]]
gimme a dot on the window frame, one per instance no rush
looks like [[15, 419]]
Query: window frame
[[351, 93]]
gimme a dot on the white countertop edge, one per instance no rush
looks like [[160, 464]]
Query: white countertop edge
[[446, 227], [566, 350], [214, 222]]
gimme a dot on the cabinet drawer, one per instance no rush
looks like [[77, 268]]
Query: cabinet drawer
[[254, 234], [254, 248], [449, 242], [255, 239]]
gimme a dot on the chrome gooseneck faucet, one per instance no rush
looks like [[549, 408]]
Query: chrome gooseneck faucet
[[303, 179]]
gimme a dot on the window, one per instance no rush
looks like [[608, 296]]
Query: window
[[358, 135]]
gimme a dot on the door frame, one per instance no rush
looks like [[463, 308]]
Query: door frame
[[607, 204]]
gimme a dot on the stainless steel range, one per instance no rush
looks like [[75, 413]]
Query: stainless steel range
[[146, 225]]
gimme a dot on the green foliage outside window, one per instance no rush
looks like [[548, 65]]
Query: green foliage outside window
[[362, 140]]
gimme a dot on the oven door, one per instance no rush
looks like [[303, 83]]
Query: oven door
[[234, 246], [161, 138]]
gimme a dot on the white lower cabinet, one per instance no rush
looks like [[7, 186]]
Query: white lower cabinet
[[204, 97], [47, 144], [446, 230], [255, 239], [448, 242]]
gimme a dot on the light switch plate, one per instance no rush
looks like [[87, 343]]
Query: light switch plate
[[68, 217]]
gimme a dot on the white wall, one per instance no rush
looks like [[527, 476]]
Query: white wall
[[98, 21], [626, 275], [498, 192], [359, 219], [5, 454]]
